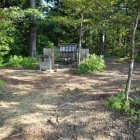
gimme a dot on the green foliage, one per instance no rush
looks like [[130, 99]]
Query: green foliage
[[43, 42], [6, 29], [26, 62], [135, 101], [117, 51], [118, 103], [60, 24], [58, 57], [1, 61], [91, 63], [29, 62], [1, 83], [135, 120], [2, 91], [137, 89], [15, 61], [20, 45], [137, 58], [14, 30]]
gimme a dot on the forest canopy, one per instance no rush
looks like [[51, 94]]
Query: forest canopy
[[28, 26]]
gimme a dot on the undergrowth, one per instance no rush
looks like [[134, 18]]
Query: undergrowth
[[91, 63], [120, 104], [137, 58], [29, 62], [14, 61], [2, 83], [2, 93], [26, 62]]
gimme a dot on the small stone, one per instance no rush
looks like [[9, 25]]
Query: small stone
[[112, 134]]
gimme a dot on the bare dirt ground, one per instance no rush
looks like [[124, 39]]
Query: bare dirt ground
[[65, 106]]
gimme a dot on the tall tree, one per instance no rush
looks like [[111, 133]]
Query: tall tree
[[132, 53], [80, 39], [32, 32], [102, 38], [77, 14]]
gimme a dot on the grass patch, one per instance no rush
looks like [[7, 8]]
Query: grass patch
[[2, 83]]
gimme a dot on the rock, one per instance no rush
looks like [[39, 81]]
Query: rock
[[112, 134]]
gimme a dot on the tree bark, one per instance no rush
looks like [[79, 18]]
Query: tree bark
[[32, 33], [132, 55], [32, 40], [80, 40], [102, 43]]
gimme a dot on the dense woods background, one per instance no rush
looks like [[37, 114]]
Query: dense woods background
[[105, 27]]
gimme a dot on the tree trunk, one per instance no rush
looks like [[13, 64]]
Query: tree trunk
[[101, 43], [80, 40], [32, 3], [32, 39], [132, 55], [32, 33]]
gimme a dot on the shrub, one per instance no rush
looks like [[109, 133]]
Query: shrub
[[137, 89], [58, 57], [118, 103], [26, 62], [14, 61], [29, 62], [1, 61], [91, 63]]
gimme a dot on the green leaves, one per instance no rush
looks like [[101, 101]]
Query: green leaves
[[29, 62], [26, 62], [2, 83], [91, 63], [6, 29], [14, 12], [118, 103], [15, 61]]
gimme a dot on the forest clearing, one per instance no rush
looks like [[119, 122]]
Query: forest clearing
[[69, 70], [66, 106]]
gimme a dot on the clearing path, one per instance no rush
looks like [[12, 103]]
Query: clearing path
[[65, 106]]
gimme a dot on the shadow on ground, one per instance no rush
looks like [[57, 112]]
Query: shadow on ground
[[65, 106]]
